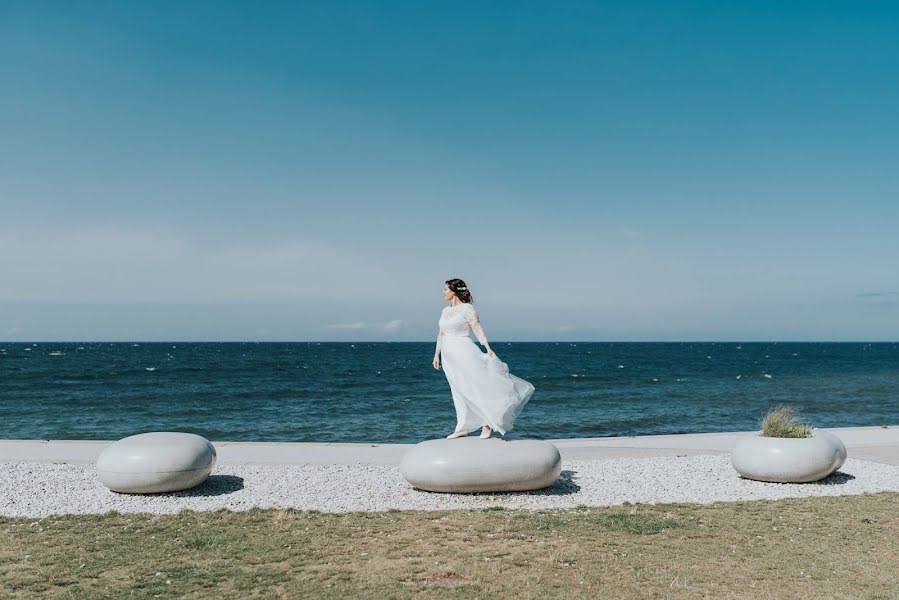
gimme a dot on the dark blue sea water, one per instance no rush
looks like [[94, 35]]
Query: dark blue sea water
[[389, 392]]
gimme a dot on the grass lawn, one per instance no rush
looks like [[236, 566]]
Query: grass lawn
[[838, 547]]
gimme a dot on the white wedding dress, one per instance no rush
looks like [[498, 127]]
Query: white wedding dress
[[484, 392]]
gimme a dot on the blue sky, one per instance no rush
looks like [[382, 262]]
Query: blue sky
[[594, 171]]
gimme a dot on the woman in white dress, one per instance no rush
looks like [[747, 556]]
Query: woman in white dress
[[484, 393]]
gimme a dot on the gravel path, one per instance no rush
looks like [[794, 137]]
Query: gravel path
[[41, 489]]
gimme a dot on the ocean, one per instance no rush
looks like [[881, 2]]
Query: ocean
[[389, 392]]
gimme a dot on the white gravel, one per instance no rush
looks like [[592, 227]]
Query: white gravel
[[42, 489]]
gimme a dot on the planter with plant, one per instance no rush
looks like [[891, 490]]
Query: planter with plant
[[787, 451]]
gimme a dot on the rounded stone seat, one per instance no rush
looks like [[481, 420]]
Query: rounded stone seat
[[788, 460], [160, 461], [472, 464]]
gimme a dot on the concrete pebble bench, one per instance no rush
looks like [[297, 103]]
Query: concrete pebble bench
[[471, 464], [161, 461], [788, 460]]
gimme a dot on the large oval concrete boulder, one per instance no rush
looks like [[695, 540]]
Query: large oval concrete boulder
[[472, 464], [788, 460], [160, 461]]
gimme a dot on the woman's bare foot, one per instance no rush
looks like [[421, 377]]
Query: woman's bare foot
[[485, 432], [456, 434]]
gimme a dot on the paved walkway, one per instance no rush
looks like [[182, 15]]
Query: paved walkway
[[878, 444]]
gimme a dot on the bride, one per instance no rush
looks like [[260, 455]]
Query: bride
[[485, 394]]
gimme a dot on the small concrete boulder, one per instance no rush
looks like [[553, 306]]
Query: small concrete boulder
[[788, 460], [472, 464], [160, 461]]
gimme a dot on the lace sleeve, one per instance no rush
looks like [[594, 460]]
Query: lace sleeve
[[471, 315], [439, 339]]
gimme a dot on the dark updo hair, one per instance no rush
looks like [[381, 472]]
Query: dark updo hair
[[458, 287]]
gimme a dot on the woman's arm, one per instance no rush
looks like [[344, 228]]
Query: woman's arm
[[471, 315], [436, 361]]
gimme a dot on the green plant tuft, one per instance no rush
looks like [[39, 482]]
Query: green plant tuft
[[781, 421]]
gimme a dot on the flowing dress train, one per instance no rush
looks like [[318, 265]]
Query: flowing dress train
[[483, 390]]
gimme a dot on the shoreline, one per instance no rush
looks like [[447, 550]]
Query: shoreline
[[873, 443]]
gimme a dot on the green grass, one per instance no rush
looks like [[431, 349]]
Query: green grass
[[782, 421], [831, 547]]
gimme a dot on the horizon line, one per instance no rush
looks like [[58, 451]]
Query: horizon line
[[432, 341]]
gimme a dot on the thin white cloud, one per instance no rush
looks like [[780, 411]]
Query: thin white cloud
[[389, 326], [394, 325], [356, 325], [888, 299], [117, 264]]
